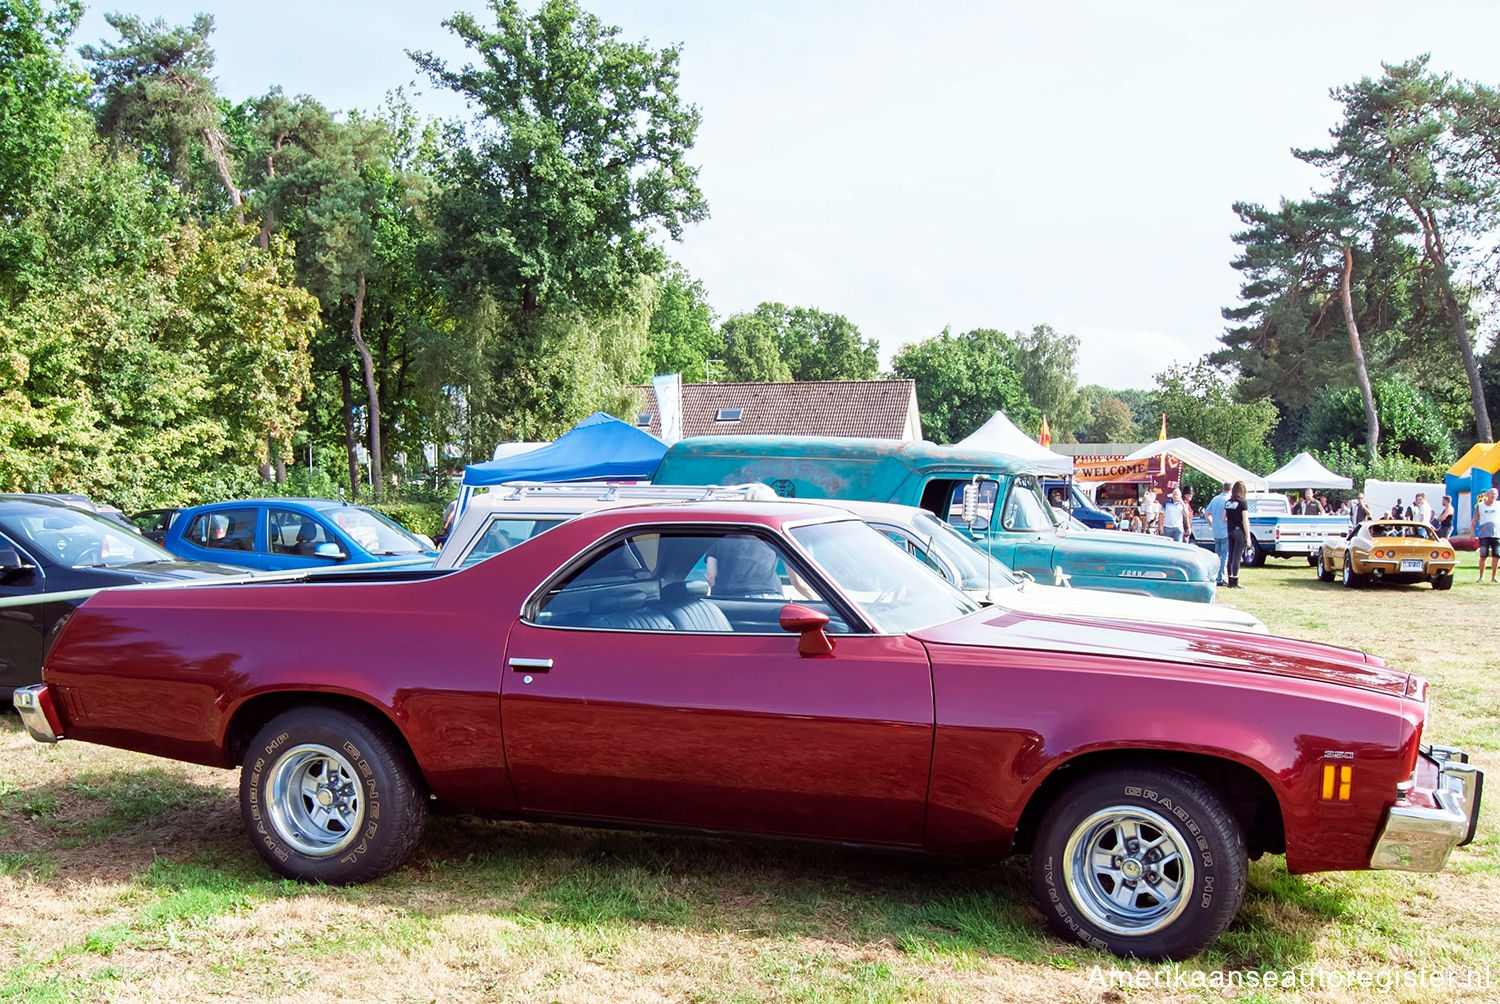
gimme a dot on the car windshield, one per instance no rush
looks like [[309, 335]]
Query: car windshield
[[79, 539], [976, 569], [895, 593], [374, 532]]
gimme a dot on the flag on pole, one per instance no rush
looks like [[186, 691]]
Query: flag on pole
[[1045, 436], [1163, 426]]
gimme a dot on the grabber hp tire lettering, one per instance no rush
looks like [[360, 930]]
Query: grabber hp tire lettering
[[330, 796], [1144, 861]]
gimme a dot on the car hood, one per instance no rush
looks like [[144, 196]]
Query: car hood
[[999, 628], [1035, 598], [1081, 550]]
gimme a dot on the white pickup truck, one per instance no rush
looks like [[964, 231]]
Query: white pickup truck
[[1274, 531]]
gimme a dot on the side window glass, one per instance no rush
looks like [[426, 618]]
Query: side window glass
[[954, 510], [1023, 510], [683, 582], [225, 530], [295, 533], [502, 534]]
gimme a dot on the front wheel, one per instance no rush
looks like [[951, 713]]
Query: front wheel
[[1140, 861], [327, 796]]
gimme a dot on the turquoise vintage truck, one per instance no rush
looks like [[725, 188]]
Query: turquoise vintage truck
[[1025, 534]]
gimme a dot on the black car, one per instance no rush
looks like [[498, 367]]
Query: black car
[[152, 523], [53, 556]]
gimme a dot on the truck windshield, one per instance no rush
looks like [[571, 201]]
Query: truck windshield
[[1026, 509]]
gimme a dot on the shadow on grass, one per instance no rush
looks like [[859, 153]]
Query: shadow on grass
[[200, 864]]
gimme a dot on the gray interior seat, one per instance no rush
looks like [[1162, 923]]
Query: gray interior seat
[[689, 610]]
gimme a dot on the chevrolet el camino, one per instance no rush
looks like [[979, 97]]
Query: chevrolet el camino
[[776, 670]]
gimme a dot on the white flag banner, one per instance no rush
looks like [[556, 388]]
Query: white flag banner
[[669, 405]]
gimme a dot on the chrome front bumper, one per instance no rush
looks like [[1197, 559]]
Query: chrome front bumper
[[33, 703], [1433, 814]]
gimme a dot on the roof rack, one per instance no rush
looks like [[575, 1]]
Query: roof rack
[[645, 492]]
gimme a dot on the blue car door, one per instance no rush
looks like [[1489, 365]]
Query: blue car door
[[293, 536], [227, 536]]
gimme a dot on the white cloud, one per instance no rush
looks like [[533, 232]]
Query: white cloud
[[1123, 359]]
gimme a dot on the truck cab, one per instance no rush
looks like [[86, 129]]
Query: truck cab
[[1016, 523]]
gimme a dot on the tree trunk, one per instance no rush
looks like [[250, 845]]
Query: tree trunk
[[270, 220], [351, 439], [265, 468], [371, 391], [1466, 348], [1433, 241], [217, 144], [1372, 417]]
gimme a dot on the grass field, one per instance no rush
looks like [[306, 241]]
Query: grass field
[[124, 877]]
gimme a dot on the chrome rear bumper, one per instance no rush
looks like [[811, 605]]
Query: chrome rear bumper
[[1436, 813], [33, 703]]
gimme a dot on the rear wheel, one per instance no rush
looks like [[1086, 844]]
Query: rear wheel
[[1255, 555], [327, 796], [1352, 579], [1144, 861], [1325, 574], [1441, 581]]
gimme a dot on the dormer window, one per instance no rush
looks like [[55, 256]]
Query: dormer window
[[729, 414], [643, 419]]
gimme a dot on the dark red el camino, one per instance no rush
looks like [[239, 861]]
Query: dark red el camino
[[775, 669]]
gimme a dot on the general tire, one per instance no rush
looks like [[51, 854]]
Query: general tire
[[1176, 882], [329, 796]]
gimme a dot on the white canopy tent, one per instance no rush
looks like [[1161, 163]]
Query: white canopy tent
[[1304, 471], [1001, 435], [1203, 459]]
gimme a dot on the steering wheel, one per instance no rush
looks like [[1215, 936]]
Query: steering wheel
[[89, 554]]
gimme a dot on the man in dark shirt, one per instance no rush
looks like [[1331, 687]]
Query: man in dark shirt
[[1309, 506], [743, 565]]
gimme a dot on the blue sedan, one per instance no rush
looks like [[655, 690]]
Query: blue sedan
[[285, 533]]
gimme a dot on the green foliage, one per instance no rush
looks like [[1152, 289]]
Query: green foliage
[[579, 159], [681, 337], [1351, 461], [816, 345], [1048, 363], [1200, 405], [418, 517], [1412, 425], [963, 380], [1111, 422], [752, 353], [38, 92], [155, 95]]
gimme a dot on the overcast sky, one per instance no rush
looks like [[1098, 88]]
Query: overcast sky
[[999, 164]]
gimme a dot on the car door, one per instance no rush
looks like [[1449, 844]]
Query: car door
[[293, 537], [612, 710], [228, 536]]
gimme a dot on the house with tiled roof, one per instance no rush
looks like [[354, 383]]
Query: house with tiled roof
[[879, 409]]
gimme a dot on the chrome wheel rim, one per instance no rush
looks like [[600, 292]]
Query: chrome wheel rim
[[1128, 870], [1348, 571], [315, 800]]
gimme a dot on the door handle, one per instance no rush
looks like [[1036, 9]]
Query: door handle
[[531, 665]]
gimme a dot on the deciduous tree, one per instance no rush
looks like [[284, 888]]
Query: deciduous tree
[[962, 380]]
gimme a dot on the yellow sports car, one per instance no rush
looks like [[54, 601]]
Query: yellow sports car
[[1388, 550]]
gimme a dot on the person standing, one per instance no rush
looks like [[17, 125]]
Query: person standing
[[1420, 510], [1214, 513], [1151, 512], [1187, 513], [1237, 517], [1444, 519], [1172, 517], [1487, 530], [1309, 506], [1358, 511]]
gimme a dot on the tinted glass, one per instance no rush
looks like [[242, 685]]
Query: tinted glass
[[78, 539]]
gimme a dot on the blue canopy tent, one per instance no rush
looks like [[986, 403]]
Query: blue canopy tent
[[599, 448]]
